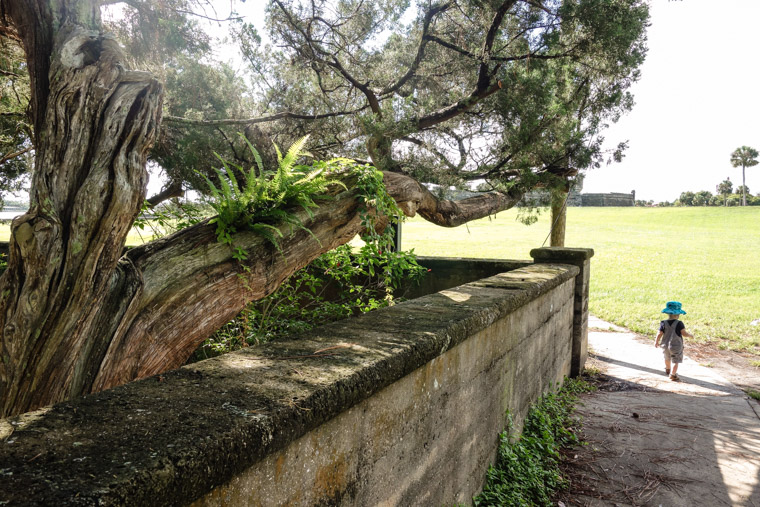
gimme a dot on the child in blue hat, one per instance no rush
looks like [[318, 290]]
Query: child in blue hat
[[672, 332]]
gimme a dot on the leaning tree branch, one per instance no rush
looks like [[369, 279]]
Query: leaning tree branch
[[149, 276], [457, 108], [174, 189], [413, 198]]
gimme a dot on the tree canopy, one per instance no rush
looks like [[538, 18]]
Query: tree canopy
[[514, 93]]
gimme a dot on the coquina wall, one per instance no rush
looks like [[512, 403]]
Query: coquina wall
[[609, 199], [401, 406]]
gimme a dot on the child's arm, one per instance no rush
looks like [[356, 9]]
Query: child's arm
[[657, 340], [686, 334]]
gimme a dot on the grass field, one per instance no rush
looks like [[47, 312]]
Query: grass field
[[707, 258]]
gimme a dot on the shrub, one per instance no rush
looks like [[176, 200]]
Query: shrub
[[527, 472]]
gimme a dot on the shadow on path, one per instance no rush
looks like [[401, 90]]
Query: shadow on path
[[652, 441], [728, 389]]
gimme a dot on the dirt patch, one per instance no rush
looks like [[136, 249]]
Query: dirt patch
[[734, 366]]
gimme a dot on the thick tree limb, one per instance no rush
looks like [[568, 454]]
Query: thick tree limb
[[454, 110], [180, 289], [412, 197]]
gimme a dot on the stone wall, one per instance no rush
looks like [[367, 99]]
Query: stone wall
[[399, 406], [609, 199], [575, 198]]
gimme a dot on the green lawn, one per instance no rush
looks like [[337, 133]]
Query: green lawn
[[707, 258]]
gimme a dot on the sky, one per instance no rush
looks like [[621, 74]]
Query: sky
[[696, 101]]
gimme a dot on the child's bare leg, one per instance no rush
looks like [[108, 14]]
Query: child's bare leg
[[667, 365], [675, 369]]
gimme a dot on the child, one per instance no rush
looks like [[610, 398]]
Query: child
[[672, 332]]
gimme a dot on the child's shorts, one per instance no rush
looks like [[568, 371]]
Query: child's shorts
[[673, 357]]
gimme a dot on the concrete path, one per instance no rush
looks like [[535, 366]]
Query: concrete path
[[656, 442]]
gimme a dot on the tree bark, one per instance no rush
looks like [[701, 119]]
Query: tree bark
[[94, 123], [75, 315], [559, 217]]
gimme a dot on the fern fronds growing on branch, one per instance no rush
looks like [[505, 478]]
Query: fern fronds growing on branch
[[262, 200]]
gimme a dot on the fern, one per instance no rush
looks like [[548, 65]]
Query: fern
[[260, 200]]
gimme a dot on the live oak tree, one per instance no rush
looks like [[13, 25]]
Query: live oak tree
[[512, 92]]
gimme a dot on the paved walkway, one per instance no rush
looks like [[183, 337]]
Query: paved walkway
[[656, 442]]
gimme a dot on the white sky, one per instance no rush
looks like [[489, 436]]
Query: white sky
[[696, 102]]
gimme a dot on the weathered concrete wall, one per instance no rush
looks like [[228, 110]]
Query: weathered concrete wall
[[580, 257], [402, 405], [448, 272], [428, 438]]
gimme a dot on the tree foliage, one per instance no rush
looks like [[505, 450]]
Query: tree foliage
[[16, 150], [511, 92], [744, 157], [515, 92]]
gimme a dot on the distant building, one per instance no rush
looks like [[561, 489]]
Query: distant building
[[577, 199], [609, 199]]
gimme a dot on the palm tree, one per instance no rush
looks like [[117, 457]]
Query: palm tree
[[725, 189], [745, 157]]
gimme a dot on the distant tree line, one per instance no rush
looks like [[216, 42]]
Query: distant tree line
[[725, 195]]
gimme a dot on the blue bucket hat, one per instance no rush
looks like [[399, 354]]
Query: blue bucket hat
[[673, 308]]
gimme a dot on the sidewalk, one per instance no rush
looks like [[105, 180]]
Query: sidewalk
[[656, 442]]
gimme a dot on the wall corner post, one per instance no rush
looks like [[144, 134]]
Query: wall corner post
[[580, 257]]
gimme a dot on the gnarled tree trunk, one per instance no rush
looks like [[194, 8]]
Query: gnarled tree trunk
[[75, 315], [94, 122]]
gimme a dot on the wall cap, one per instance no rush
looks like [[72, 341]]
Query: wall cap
[[559, 254]]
